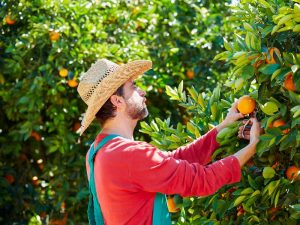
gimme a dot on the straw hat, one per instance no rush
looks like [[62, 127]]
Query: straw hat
[[102, 80]]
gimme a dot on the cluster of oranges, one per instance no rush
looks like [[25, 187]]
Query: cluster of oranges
[[63, 72], [246, 105]]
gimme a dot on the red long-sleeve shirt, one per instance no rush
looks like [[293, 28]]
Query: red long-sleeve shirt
[[129, 173]]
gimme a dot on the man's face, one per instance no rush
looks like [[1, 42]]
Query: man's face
[[135, 101]]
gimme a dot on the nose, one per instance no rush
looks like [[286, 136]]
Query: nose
[[141, 92]]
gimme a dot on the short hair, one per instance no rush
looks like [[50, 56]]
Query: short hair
[[107, 111]]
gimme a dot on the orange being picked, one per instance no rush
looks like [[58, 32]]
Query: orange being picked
[[172, 205], [63, 72], [292, 173], [280, 123], [289, 83], [246, 104]]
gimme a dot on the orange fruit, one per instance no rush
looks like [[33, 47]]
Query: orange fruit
[[292, 173], [246, 104], [272, 210], [240, 211], [72, 83], [258, 63], [275, 165], [10, 178], [171, 205], [43, 214], [35, 181], [63, 72], [54, 36], [9, 20], [23, 157], [280, 123], [271, 59], [190, 74], [36, 136], [289, 83]]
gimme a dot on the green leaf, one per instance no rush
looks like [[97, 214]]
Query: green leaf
[[268, 172], [239, 200], [269, 69], [269, 108]]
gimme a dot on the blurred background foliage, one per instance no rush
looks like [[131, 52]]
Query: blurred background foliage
[[220, 53], [44, 47]]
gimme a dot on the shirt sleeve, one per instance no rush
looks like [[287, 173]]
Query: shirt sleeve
[[153, 171], [199, 151]]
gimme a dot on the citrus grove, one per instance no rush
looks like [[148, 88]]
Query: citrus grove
[[265, 79], [45, 46]]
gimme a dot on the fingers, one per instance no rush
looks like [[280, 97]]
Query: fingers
[[244, 133], [247, 122]]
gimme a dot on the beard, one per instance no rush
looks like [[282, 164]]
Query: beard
[[136, 111]]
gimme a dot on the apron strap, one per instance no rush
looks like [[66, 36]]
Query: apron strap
[[94, 210], [161, 215]]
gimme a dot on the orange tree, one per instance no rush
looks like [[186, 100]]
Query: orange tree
[[44, 47], [265, 59]]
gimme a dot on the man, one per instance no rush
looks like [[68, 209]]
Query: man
[[128, 175]]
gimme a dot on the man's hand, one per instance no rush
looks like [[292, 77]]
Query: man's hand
[[246, 153], [232, 116], [251, 131]]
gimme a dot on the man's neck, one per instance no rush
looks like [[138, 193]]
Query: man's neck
[[121, 126]]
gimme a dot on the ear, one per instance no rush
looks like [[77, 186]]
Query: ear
[[116, 100]]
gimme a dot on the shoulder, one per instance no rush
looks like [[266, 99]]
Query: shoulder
[[130, 145]]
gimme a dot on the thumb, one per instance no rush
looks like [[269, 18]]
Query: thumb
[[240, 115], [254, 120]]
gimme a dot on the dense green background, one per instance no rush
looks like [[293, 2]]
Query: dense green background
[[39, 110], [176, 35]]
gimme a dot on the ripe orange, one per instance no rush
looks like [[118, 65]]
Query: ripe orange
[[63, 72], [35, 181], [275, 165], [272, 210], [246, 104], [271, 59], [258, 63], [190, 74], [54, 36], [72, 83], [289, 83], [9, 20], [280, 123], [43, 214], [171, 205], [36, 136], [240, 211], [10, 178], [292, 173]]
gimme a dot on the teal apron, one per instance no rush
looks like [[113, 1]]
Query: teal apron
[[160, 215]]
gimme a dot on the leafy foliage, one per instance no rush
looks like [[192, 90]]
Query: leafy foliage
[[263, 52], [45, 46]]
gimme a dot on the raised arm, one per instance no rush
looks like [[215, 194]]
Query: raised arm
[[153, 171], [199, 151]]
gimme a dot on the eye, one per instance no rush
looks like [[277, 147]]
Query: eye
[[134, 85]]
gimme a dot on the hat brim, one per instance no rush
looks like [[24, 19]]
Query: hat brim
[[109, 85]]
